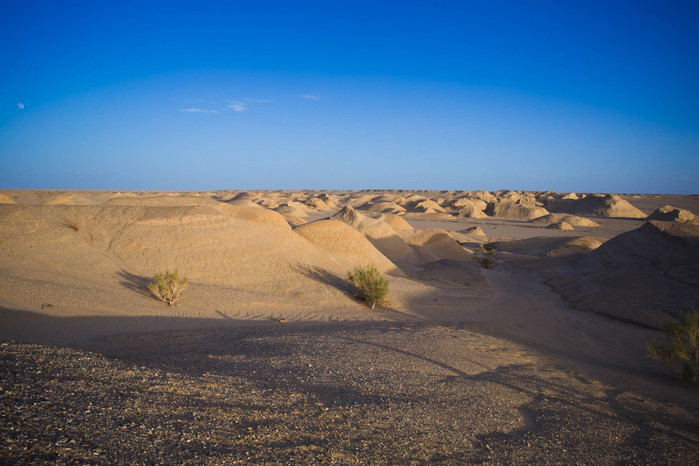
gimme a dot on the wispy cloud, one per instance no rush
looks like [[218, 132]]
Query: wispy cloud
[[261, 101], [237, 106], [310, 97], [197, 110]]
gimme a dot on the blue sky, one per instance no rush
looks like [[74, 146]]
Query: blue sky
[[562, 95]]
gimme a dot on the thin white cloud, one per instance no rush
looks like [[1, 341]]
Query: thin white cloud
[[237, 106], [262, 101], [310, 97], [197, 110]]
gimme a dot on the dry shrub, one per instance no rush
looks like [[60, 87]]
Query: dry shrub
[[369, 285], [168, 286], [683, 347]]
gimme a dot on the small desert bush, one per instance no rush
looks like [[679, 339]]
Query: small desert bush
[[683, 347], [168, 286], [369, 285], [486, 255]]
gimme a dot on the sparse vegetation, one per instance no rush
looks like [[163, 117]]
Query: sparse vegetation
[[485, 256], [369, 285], [168, 286], [683, 347]]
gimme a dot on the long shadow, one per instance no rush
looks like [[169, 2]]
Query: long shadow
[[341, 366], [327, 278], [137, 283]]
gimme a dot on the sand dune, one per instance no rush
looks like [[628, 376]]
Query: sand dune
[[74, 268], [597, 205], [345, 243], [381, 235], [514, 211], [646, 275], [573, 220]]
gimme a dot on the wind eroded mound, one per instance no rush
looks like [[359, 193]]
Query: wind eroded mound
[[644, 276]]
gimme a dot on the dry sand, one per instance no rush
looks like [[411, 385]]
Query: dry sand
[[268, 357]]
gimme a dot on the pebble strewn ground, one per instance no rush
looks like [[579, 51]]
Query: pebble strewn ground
[[381, 394]]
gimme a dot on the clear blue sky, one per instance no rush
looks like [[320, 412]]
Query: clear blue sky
[[562, 95]]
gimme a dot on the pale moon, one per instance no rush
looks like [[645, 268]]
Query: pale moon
[[20, 106]]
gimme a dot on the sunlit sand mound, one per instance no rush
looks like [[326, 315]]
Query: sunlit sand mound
[[357, 200], [71, 199], [517, 197], [475, 231], [418, 206], [395, 221], [317, 204], [673, 214], [292, 210], [255, 213], [434, 243], [573, 220], [345, 243], [596, 205], [484, 196], [410, 200], [90, 246], [467, 201], [267, 203], [295, 221], [514, 211], [330, 200], [427, 206], [381, 235], [382, 207], [471, 211], [4, 199], [243, 203], [644, 276], [162, 200], [565, 226]]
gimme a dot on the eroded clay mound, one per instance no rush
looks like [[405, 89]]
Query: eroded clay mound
[[381, 235], [645, 276], [345, 243], [573, 220], [5, 199], [514, 211], [382, 207], [435, 244], [673, 214], [597, 205], [85, 244], [471, 211], [395, 221]]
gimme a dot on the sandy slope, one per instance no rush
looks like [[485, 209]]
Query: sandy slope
[[73, 269]]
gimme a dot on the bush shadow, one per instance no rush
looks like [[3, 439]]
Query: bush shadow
[[137, 283]]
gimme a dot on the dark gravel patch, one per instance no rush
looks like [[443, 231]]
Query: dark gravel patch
[[326, 394]]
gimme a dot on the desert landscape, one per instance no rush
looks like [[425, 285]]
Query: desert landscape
[[515, 329]]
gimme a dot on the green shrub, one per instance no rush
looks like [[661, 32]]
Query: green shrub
[[683, 347], [168, 286], [369, 285], [486, 255]]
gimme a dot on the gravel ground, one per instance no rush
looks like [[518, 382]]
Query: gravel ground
[[288, 394]]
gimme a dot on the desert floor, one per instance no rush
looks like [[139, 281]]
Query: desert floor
[[270, 358]]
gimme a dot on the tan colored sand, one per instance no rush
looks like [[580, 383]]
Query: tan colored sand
[[345, 243], [71, 273]]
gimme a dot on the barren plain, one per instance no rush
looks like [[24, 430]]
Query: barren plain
[[269, 358]]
